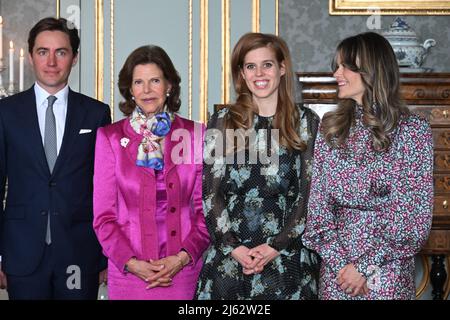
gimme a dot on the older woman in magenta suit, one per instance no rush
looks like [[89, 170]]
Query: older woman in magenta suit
[[147, 186]]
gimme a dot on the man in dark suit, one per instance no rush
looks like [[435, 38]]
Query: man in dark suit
[[47, 142]]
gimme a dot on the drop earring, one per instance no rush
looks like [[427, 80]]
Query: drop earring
[[375, 109], [375, 106]]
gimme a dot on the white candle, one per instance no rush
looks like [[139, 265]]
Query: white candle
[[11, 62], [1, 37], [21, 59]]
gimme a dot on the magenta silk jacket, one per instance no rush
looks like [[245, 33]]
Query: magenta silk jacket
[[125, 197]]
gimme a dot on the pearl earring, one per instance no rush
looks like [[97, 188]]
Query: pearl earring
[[168, 94], [132, 98]]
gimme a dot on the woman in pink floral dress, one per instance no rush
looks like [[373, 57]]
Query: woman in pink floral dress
[[370, 207]]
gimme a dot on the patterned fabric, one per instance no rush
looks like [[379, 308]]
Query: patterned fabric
[[250, 204], [372, 209], [153, 130], [51, 150], [50, 144]]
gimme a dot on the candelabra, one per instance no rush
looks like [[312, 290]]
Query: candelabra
[[3, 92], [11, 89]]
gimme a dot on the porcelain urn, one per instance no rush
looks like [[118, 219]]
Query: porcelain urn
[[403, 39]]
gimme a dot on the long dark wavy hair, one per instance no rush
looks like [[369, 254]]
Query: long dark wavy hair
[[373, 58], [240, 115]]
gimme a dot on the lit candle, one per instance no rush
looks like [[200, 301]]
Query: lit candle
[[11, 62], [21, 59], [1, 37]]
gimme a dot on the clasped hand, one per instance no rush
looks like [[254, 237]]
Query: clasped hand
[[157, 273], [253, 260], [351, 281]]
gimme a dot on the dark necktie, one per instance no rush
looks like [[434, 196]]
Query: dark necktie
[[50, 147]]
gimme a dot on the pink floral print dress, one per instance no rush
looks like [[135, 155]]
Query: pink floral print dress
[[372, 209]]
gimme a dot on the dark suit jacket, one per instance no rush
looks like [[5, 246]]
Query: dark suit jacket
[[33, 192]]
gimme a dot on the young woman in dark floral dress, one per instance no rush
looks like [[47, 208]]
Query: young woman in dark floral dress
[[253, 207]]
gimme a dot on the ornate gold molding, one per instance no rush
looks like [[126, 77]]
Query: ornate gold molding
[[226, 64], [447, 285], [277, 17], [204, 8], [99, 50], [190, 63], [389, 7], [58, 9], [111, 67], [425, 278], [256, 15]]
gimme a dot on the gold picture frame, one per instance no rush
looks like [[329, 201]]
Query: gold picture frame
[[387, 7]]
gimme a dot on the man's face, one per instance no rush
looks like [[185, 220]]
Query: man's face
[[52, 60]]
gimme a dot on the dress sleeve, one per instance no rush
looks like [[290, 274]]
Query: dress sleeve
[[214, 167], [321, 230], [408, 216], [290, 235], [308, 133]]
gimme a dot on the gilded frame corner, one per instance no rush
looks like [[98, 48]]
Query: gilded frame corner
[[389, 7]]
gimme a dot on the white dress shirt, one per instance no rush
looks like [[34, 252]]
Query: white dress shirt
[[59, 110]]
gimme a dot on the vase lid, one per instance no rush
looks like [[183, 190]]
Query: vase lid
[[399, 28]]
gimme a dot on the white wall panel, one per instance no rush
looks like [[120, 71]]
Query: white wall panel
[[175, 26]]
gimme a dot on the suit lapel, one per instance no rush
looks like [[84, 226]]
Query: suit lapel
[[30, 127], [76, 112], [169, 144]]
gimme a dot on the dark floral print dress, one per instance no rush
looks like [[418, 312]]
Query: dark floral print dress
[[372, 209], [250, 204]]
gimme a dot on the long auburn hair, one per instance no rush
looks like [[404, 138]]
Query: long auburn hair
[[371, 55], [240, 115]]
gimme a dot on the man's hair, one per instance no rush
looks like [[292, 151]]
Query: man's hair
[[53, 24]]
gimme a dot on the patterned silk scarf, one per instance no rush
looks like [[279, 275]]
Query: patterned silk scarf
[[153, 130]]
